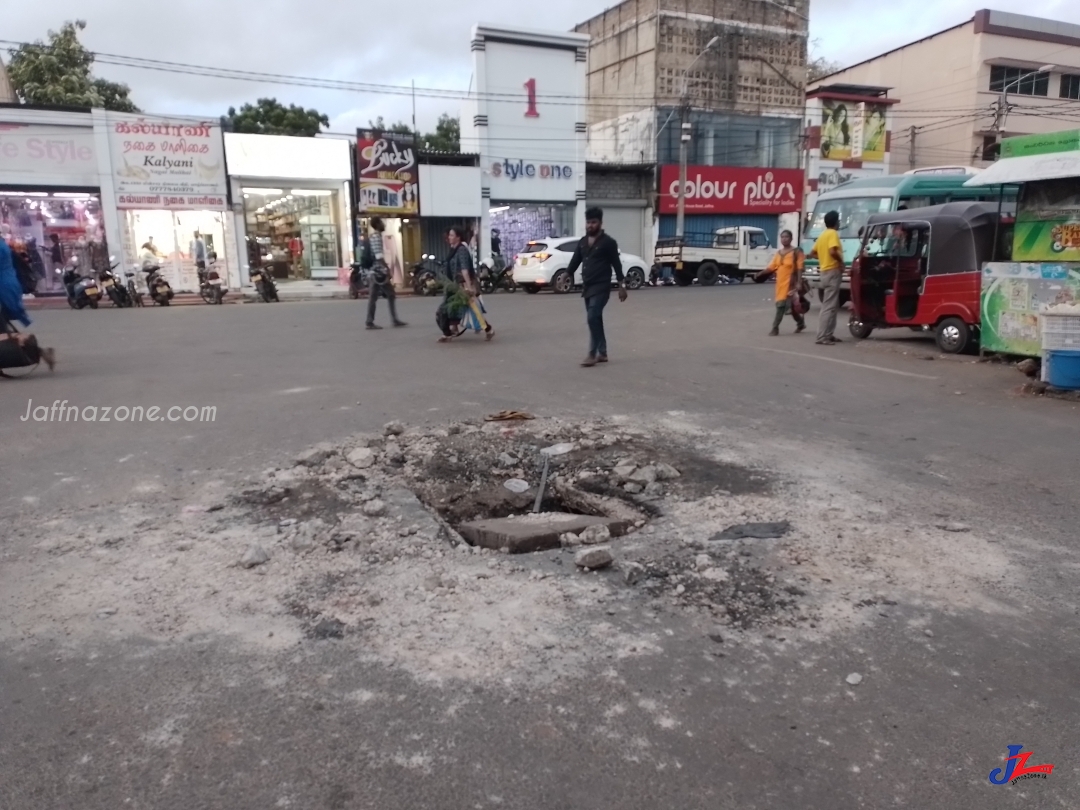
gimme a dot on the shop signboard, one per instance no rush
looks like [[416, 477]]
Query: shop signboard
[[1048, 144], [52, 155], [853, 131], [388, 174], [167, 164], [1013, 296], [732, 190], [1048, 222]]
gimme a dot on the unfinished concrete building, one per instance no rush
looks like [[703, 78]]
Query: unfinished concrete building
[[745, 93]]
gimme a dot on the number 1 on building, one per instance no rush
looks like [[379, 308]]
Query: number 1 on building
[[530, 88]]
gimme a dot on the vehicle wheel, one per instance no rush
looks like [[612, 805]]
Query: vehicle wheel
[[164, 302], [93, 304], [531, 289], [562, 283], [683, 279], [207, 296], [635, 278], [708, 274], [486, 287], [510, 285], [953, 335], [859, 330]]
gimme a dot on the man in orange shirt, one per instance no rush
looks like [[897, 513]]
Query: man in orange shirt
[[787, 265]]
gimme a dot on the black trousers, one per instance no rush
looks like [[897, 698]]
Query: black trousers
[[386, 290]]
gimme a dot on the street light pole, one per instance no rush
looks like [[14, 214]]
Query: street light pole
[[1002, 112], [685, 130]]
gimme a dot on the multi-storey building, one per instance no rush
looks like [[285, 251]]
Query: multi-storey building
[[734, 69]]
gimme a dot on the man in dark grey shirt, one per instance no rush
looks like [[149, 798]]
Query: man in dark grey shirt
[[597, 255]]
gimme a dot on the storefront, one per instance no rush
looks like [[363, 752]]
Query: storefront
[[291, 202], [50, 195], [527, 122], [168, 178], [449, 196], [728, 196]]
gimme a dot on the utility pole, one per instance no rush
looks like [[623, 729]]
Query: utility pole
[[684, 143], [415, 131], [684, 140], [911, 146]]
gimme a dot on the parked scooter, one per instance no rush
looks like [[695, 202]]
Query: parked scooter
[[264, 284], [82, 291], [496, 273], [161, 291], [118, 293], [211, 286]]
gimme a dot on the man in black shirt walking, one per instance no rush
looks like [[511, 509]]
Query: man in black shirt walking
[[597, 254]]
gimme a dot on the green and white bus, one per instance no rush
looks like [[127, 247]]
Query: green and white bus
[[857, 200]]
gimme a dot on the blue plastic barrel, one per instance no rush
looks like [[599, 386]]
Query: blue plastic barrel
[[1063, 368]]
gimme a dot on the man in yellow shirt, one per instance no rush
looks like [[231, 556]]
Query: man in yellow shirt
[[787, 264], [830, 255]]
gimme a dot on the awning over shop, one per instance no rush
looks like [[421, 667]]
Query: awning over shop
[[1027, 169]]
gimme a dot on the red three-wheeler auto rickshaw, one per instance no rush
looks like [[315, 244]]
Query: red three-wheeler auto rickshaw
[[922, 268]]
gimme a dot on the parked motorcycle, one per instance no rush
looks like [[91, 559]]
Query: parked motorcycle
[[161, 291], [264, 284], [82, 291], [211, 286], [118, 292], [496, 273], [427, 274], [133, 291], [359, 281]]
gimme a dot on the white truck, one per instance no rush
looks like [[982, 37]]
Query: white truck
[[734, 252]]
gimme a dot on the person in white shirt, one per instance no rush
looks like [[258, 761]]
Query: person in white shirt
[[380, 277]]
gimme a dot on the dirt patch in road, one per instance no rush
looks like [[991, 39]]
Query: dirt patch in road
[[355, 543]]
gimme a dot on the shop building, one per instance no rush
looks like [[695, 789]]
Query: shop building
[[729, 74], [849, 132], [168, 184], [526, 119], [51, 201], [450, 194], [626, 193], [291, 203], [963, 89]]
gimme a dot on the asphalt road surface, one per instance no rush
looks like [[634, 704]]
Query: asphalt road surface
[[81, 720]]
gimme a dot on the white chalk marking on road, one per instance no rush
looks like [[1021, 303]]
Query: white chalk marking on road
[[125, 458], [848, 363], [295, 391]]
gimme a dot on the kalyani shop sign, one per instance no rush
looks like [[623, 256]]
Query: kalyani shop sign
[[167, 164], [732, 190]]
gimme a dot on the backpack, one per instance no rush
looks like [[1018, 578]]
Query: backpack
[[367, 256]]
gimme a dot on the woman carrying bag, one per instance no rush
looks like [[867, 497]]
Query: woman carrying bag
[[787, 266]]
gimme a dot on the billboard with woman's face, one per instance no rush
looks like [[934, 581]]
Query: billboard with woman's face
[[840, 126]]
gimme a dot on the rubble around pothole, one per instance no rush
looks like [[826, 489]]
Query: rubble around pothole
[[360, 540]]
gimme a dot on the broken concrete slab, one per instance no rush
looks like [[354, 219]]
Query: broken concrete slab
[[524, 534], [754, 531]]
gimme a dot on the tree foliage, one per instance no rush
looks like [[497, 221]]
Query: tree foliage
[[446, 137], [58, 73], [269, 117], [400, 128]]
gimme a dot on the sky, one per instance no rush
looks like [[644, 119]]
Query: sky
[[426, 41]]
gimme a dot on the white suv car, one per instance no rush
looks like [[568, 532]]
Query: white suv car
[[542, 265]]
